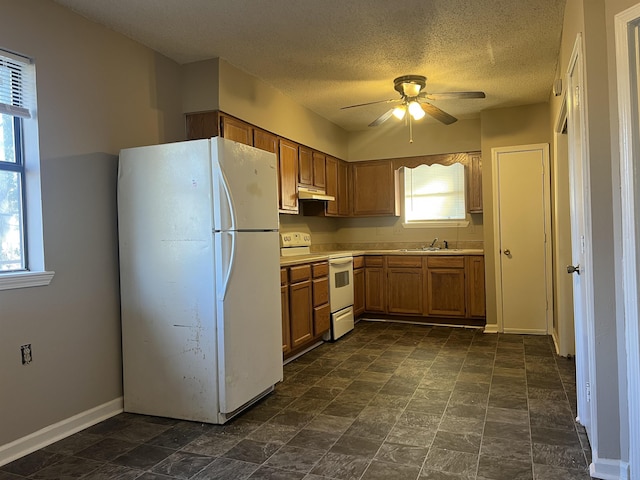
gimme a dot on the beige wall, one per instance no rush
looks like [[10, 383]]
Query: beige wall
[[502, 128], [98, 92], [391, 139]]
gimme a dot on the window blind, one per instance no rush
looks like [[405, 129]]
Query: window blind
[[434, 192], [16, 85]]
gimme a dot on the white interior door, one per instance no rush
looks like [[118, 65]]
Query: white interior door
[[522, 221], [580, 237]]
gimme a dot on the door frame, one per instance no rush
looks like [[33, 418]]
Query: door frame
[[629, 122], [547, 226]]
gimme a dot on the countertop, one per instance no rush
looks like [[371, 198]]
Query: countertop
[[322, 256]]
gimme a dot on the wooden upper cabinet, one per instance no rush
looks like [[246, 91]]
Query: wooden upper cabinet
[[332, 185], [474, 183], [265, 141], [236, 130], [343, 189], [288, 176], [374, 188], [201, 125], [319, 170], [305, 166]]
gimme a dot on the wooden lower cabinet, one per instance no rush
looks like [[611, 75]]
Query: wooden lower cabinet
[[300, 295], [405, 285], [476, 303], [306, 314], [358, 291], [421, 286], [375, 285], [286, 331], [446, 288]]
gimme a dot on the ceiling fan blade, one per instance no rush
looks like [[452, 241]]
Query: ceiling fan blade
[[382, 118], [453, 95], [371, 103], [438, 114]]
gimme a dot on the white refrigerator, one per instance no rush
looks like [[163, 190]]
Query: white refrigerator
[[199, 278]]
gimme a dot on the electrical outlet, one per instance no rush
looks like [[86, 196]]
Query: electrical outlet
[[26, 352]]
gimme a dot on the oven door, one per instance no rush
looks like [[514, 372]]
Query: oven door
[[340, 283]]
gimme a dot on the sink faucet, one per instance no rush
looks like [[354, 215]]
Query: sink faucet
[[433, 243]]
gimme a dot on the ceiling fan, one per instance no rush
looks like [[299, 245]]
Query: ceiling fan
[[412, 96]]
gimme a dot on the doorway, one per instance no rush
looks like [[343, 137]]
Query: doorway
[[522, 228]]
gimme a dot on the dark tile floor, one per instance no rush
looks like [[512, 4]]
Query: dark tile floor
[[388, 401]]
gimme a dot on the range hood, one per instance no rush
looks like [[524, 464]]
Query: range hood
[[310, 193]]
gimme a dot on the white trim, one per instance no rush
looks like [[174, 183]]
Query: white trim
[[629, 221], [491, 328], [51, 434], [13, 280], [525, 331], [608, 469], [544, 147]]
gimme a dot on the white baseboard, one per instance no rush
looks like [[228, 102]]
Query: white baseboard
[[51, 434], [491, 328], [526, 331], [607, 469]]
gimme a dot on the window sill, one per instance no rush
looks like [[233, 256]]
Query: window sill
[[9, 281], [436, 224]]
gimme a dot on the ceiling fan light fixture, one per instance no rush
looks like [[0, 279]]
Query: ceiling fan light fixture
[[416, 111], [399, 112]]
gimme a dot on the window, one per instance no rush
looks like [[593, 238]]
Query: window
[[21, 246], [434, 195]]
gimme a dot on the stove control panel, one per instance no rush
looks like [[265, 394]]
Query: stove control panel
[[295, 239]]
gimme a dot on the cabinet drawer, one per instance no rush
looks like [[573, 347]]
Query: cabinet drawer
[[321, 319], [284, 278], [374, 261], [320, 291], [299, 273], [445, 262], [320, 269], [358, 262], [404, 261]]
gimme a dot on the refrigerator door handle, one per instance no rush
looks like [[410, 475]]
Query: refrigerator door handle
[[225, 186], [232, 257]]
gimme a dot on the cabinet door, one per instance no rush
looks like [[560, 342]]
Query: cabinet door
[[374, 188], [332, 185], [305, 166], [265, 141], [474, 182], [358, 291], [475, 286], [343, 192], [374, 289], [320, 291], [288, 176], [404, 290], [201, 125], [321, 319], [236, 130], [445, 290], [300, 313], [286, 326], [319, 167]]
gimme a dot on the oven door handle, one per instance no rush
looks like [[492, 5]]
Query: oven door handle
[[341, 262]]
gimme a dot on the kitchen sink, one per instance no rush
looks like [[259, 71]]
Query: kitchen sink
[[425, 249]]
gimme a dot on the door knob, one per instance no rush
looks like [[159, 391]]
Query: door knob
[[507, 252], [572, 269]]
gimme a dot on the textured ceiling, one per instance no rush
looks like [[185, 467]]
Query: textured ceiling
[[327, 54]]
